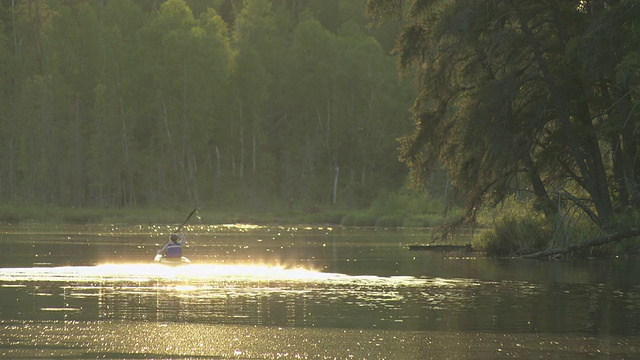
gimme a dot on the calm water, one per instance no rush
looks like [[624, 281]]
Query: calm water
[[297, 292]]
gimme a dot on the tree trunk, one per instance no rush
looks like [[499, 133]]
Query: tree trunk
[[588, 161], [125, 175], [542, 197], [335, 185], [241, 113]]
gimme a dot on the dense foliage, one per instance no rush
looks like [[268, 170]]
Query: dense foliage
[[533, 98], [211, 103]]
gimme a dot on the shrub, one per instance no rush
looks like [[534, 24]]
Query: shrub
[[406, 201], [348, 220], [365, 219], [390, 221], [332, 217], [9, 215], [426, 220], [627, 247], [514, 235], [414, 221]]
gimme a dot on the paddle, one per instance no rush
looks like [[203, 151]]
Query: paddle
[[158, 256], [185, 222]]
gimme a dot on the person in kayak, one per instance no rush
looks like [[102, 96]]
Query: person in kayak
[[172, 250]]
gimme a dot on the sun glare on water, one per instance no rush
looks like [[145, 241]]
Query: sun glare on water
[[144, 272], [211, 271]]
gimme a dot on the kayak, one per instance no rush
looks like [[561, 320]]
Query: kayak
[[171, 261]]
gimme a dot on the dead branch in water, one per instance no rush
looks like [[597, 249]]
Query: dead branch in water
[[600, 240]]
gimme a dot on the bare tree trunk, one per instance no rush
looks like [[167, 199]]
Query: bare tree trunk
[[176, 158], [126, 181], [216, 186], [189, 159], [335, 185], [12, 183], [254, 149], [241, 137]]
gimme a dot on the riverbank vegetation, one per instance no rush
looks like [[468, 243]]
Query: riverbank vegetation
[[408, 208], [537, 100]]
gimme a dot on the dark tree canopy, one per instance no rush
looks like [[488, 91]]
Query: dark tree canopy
[[525, 96]]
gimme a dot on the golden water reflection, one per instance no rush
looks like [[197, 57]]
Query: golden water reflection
[[192, 272], [290, 292], [228, 294], [178, 340]]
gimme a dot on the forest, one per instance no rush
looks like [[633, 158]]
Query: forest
[[452, 106], [210, 103]]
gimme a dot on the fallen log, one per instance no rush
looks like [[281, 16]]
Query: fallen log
[[597, 241]]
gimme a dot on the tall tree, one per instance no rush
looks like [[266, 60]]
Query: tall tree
[[255, 36], [508, 102], [115, 108], [71, 44], [166, 47], [211, 92], [188, 62], [309, 125], [6, 95]]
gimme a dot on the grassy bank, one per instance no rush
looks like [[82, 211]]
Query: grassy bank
[[34, 214], [402, 208]]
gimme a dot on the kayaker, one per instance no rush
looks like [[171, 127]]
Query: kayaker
[[172, 250]]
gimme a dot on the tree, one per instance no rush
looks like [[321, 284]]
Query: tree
[[115, 108], [187, 61], [519, 96], [372, 111], [147, 103], [71, 44], [256, 43], [307, 131], [6, 95]]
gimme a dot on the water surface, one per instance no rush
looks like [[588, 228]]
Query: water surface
[[302, 292]]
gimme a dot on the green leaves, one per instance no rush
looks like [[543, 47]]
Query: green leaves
[[258, 103], [514, 95]]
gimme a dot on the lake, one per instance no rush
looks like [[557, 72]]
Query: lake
[[274, 292]]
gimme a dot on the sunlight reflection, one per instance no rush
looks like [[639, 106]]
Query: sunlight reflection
[[197, 273], [241, 226], [142, 272]]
